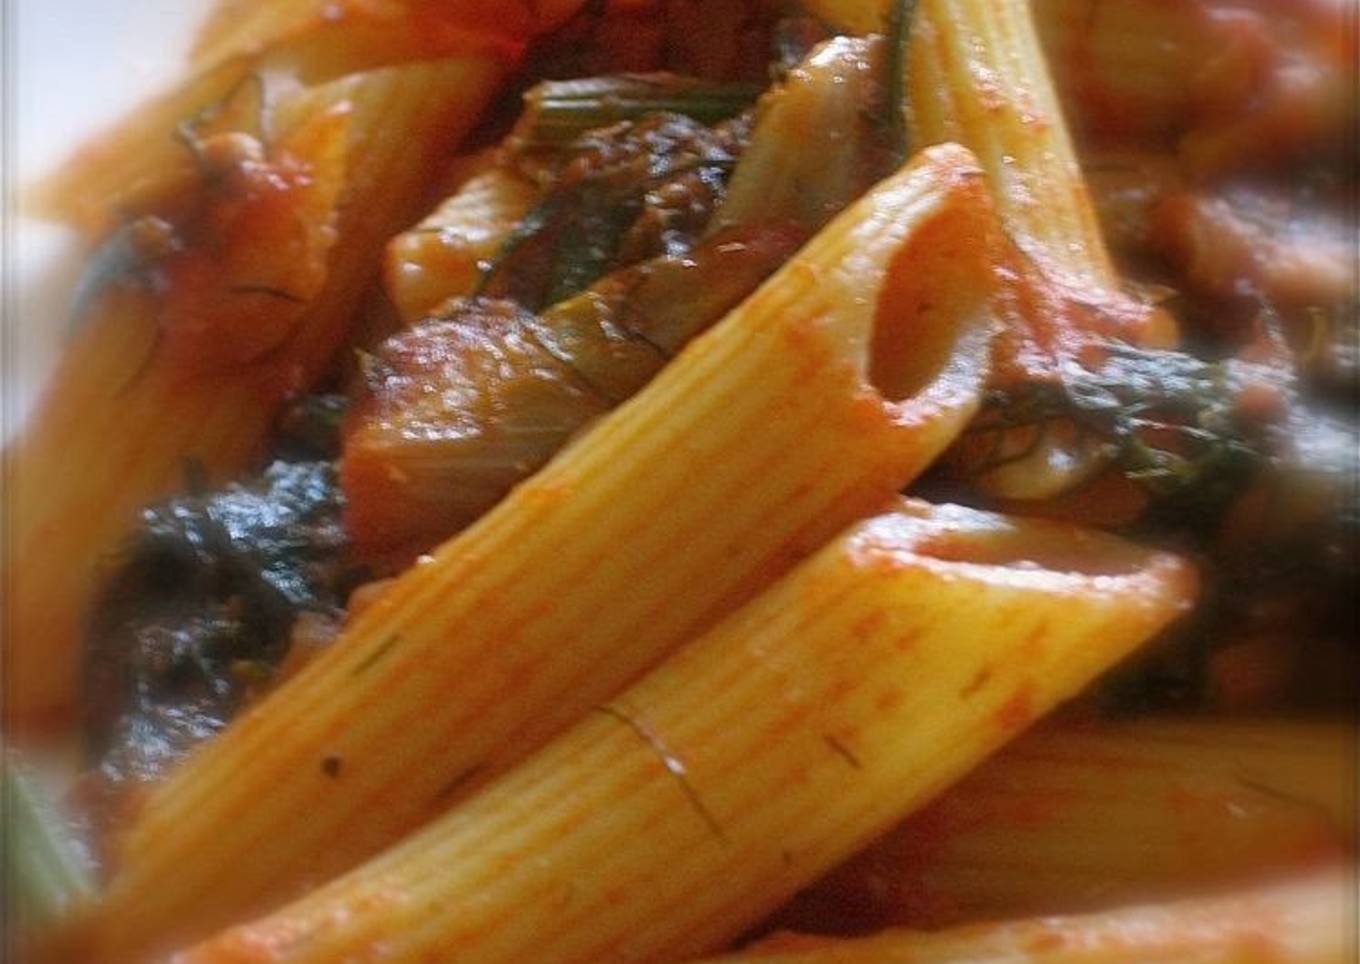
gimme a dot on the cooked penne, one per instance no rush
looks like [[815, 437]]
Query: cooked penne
[[874, 675], [1033, 831], [245, 27], [247, 311], [850, 370], [976, 74], [141, 165], [478, 512], [1309, 922]]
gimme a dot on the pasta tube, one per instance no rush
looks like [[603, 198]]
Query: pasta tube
[[975, 74], [141, 164], [689, 806], [759, 442], [1309, 922], [192, 374], [1073, 818], [237, 27]]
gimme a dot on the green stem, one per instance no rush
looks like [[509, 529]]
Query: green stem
[[45, 871], [557, 112], [901, 16]]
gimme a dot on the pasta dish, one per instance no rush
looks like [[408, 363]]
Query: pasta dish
[[588, 481]]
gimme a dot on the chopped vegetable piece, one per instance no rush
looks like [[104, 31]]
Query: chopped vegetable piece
[[625, 193], [196, 610], [817, 143], [464, 407], [46, 870]]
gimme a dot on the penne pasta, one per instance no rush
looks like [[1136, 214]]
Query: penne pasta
[[872, 676], [1309, 922], [472, 659], [141, 165], [246, 27], [535, 582], [249, 315], [1195, 803], [975, 74]]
